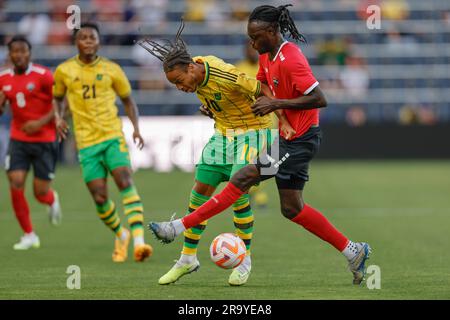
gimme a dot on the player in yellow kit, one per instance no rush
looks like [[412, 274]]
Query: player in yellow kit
[[227, 95], [91, 84]]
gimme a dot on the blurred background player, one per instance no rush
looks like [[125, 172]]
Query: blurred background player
[[285, 69], [28, 88], [91, 84], [227, 95]]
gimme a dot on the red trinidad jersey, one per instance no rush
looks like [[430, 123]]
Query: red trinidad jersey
[[30, 96], [289, 76]]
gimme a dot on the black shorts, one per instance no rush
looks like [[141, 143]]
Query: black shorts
[[290, 165], [41, 155]]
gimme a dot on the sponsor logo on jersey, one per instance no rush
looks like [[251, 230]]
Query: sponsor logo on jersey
[[275, 82], [7, 88], [30, 86]]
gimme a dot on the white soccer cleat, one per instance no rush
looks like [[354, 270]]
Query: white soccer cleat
[[164, 231], [357, 264], [28, 241], [54, 211]]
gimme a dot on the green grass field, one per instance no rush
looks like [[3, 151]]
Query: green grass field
[[401, 208]]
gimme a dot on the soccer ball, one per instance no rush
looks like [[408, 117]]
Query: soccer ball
[[227, 250]]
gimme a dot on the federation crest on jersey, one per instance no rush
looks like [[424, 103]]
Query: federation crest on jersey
[[275, 82], [99, 76], [217, 96], [8, 87], [30, 86]]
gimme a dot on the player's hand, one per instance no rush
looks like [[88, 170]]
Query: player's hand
[[140, 141], [2, 102], [206, 112], [62, 128], [287, 130], [31, 127], [2, 98], [263, 106]]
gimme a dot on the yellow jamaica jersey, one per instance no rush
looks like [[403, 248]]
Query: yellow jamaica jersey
[[229, 94], [91, 90]]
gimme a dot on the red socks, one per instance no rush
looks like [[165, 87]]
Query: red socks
[[21, 209], [47, 198], [316, 223], [311, 219], [213, 206]]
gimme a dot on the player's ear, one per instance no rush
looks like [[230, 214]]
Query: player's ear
[[190, 68], [273, 29]]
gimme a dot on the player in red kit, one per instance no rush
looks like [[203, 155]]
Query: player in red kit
[[286, 70], [28, 88]]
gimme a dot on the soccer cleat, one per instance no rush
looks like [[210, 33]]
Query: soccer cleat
[[120, 253], [142, 252], [164, 231], [27, 241], [241, 273], [177, 271], [54, 211], [357, 264]]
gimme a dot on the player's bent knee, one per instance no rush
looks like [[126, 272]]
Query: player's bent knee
[[289, 211], [246, 177], [100, 198], [40, 193], [16, 184]]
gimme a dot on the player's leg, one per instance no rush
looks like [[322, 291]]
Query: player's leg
[[243, 221], [243, 178], [94, 175], [207, 178], [200, 193], [239, 185], [117, 160], [17, 164], [106, 210], [248, 147], [291, 178], [44, 163], [294, 209]]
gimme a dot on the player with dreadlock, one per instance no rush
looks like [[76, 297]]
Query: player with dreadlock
[[287, 72], [227, 95]]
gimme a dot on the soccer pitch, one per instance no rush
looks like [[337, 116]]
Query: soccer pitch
[[401, 208]]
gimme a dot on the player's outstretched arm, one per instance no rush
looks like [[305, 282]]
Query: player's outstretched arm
[[133, 114], [313, 100]]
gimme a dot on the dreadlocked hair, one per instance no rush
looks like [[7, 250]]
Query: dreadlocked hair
[[279, 15], [170, 53]]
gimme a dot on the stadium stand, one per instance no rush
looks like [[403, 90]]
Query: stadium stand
[[385, 75]]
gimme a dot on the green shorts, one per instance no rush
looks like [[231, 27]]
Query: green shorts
[[105, 156], [223, 156]]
